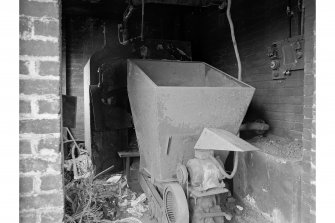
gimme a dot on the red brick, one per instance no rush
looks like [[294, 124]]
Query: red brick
[[289, 117], [309, 90], [51, 217], [307, 134], [30, 164], [281, 124], [38, 48], [295, 135], [308, 176], [309, 198], [38, 9], [25, 26], [313, 142], [23, 69], [307, 217], [56, 166], [41, 201], [26, 184], [31, 86], [298, 127], [308, 123], [51, 143], [51, 182], [308, 112], [42, 126], [28, 218], [309, 68], [51, 107], [49, 68], [309, 79], [307, 144], [48, 28], [309, 101], [25, 147], [269, 99], [25, 106], [283, 108], [306, 166], [294, 82]]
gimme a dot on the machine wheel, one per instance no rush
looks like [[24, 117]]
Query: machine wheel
[[182, 174], [175, 204]]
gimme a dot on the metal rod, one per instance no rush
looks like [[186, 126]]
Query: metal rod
[[104, 171]]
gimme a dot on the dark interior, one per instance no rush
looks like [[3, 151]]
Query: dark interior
[[194, 31]]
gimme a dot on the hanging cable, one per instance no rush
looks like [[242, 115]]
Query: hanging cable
[[222, 171], [231, 25], [142, 26], [239, 77]]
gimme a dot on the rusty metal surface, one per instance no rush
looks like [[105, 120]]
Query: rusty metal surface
[[172, 102], [219, 139]]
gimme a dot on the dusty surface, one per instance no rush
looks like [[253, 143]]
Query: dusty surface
[[249, 216], [278, 146]]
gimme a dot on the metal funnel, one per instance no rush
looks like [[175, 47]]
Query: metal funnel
[[173, 101]]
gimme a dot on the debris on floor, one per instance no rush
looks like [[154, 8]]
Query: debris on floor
[[278, 146], [230, 205], [103, 199]]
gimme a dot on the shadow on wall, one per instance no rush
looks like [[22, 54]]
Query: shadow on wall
[[254, 114]]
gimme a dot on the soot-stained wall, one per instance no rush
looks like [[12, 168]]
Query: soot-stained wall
[[83, 37], [280, 189], [257, 25], [86, 36]]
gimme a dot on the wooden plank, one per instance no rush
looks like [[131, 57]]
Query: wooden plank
[[129, 154]]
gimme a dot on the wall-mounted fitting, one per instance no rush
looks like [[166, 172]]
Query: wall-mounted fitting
[[286, 56], [273, 51], [275, 64]]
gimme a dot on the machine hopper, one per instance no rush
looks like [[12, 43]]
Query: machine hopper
[[173, 101]]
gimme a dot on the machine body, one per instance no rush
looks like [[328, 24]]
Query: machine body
[[173, 105]]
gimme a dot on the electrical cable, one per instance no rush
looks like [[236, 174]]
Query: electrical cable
[[222, 171], [231, 25]]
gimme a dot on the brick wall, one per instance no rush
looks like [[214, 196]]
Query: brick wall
[[41, 190], [308, 163], [257, 25]]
